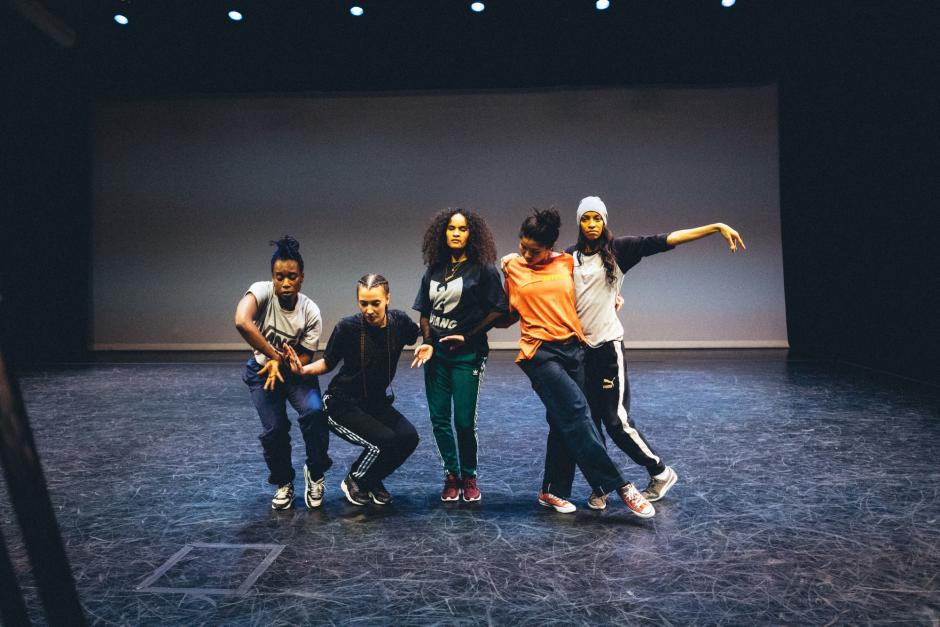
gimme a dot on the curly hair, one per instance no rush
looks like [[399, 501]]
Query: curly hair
[[480, 245]]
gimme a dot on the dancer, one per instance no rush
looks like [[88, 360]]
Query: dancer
[[600, 263], [542, 297], [460, 297], [358, 408], [273, 316]]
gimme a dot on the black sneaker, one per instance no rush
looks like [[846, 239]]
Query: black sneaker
[[379, 494], [351, 490]]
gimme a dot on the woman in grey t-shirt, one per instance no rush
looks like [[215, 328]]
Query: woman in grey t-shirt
[[600, 263]]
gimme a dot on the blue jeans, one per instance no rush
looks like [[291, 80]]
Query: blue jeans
[[303, 393], [557, 375]]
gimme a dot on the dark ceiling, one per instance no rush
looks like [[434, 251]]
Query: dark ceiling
[[174, 47], [316, 45]]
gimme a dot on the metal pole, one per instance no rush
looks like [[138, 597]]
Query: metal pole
[[30, 497]]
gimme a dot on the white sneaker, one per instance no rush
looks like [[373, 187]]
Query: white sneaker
[[284, 496], [313, 490]]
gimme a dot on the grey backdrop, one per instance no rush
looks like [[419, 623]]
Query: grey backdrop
[[188, 192]]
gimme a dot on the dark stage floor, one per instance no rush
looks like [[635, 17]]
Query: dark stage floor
[[809, 493]]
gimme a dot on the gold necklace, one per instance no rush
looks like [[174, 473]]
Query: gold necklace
[[454, 266]]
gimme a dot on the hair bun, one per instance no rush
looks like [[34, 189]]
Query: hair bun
[[287, 244], [548, 217]]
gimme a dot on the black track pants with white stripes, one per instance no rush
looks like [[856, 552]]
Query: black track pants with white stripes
[[387, 437], [608, 393]]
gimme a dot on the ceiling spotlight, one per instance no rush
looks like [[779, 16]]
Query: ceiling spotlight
[[602, 5], [120, 19], [477, 7], [727, 3], [235, 16], [356, 10]]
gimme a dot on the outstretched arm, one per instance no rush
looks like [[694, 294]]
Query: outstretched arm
[[297, 365], [690, 235], [422, 354]]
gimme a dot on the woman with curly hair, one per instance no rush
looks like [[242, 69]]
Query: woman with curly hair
[[461, 295]]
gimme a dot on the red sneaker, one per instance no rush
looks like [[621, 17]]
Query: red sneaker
[[559, 504], [451, 491], [470, 490], [635, 501]]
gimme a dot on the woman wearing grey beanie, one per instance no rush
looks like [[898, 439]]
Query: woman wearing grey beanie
[[600, 263]]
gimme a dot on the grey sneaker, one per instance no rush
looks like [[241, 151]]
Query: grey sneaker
[[283, 497], [313, 490], [596, 501], [658, 487]]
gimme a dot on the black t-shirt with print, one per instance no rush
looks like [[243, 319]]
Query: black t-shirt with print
[[351, 338], [456, 306]]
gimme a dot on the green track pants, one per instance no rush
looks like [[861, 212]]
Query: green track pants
[[452, 380]]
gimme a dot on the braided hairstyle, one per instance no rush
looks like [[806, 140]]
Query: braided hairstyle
[[604, 246], [542, 226], [287, 249], [368, 282]]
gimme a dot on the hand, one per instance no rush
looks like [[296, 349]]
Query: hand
[[618, 302], [422, 354], [453, 341], [505, 260], [732, 237], [293, 359], [271, 369]]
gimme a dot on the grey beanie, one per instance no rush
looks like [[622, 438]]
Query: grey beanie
[[593, 203]]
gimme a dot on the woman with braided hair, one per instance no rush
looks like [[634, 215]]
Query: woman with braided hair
[[461, 295], [357, 404]]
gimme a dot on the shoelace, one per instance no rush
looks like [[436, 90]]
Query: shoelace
[[633, 496]]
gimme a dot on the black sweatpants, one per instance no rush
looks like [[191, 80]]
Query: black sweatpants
[[387, 437], [608, 393]]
